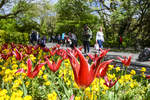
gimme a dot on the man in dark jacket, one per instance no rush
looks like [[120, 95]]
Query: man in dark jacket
[[33, 37], [87, 35]]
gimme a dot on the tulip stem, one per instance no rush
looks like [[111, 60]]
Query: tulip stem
[[114, 92], [83, 94]]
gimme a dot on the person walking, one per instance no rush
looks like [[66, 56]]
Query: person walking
[[38, 38], [63, 38], [33, 37], [100, 37], [120, 41], [43, 41], [87, 35], [58, 38], [74, 40]]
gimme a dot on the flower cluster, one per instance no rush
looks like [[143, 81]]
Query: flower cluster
[[34, 72]]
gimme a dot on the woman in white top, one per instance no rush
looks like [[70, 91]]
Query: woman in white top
[[100, 38]]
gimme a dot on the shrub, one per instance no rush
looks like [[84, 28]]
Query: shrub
[[16, 37]]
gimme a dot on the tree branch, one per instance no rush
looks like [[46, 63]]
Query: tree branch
[[10, 15]]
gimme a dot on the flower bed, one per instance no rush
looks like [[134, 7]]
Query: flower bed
[[33, 72]]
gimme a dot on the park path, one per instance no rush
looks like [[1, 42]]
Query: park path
[[113, 55]]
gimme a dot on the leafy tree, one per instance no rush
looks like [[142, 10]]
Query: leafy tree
[[72, 15]]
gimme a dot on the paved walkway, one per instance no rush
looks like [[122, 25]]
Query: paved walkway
[[113, 55]]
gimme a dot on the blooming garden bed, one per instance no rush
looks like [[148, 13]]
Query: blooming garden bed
[[40, 73]]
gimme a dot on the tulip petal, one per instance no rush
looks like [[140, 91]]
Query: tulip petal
[[75, 65], [37, 69], [128, 61], [20, 71], [103, 68], [147, 76], [29, 64]]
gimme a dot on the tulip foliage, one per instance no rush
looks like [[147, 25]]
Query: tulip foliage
[[41, 73]]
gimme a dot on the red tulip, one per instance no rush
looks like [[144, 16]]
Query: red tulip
[[36, 47], [147, 76], [74, 52], [103, 68], [95, 56], [30, 73], [103, 52], [83, 73], [61, 52], [28, 50], [54, 66], [13, 45], [125, 61], [6, 56], [20, 46], [45, 49], [18, 55], [52, 53], [20, 71], [57, 45], [109, 83], [4, 46]]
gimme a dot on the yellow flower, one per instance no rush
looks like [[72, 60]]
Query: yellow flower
[[110, 67], [45, 77], [105, 87], [68, 82], [28, 97], [14, 66], [47, 83], [40, 73], [43, 68], [52, 96], [133, 84], [143, 69], [8, 71], [27, 83], [143, 74], [78, 98], [111, 76], [32, 58], [117, 69], [3, 92], [127, 77], [132, 72], [103, 92], [75, 85]]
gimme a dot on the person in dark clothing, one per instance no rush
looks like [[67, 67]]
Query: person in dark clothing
[[58, 39], [33, 37], [38, 38], [74, 40], [87, 35], [43, 41]]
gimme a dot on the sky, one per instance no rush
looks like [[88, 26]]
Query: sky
[[54, 1]]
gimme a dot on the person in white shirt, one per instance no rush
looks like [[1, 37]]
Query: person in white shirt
[[100, 38]]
